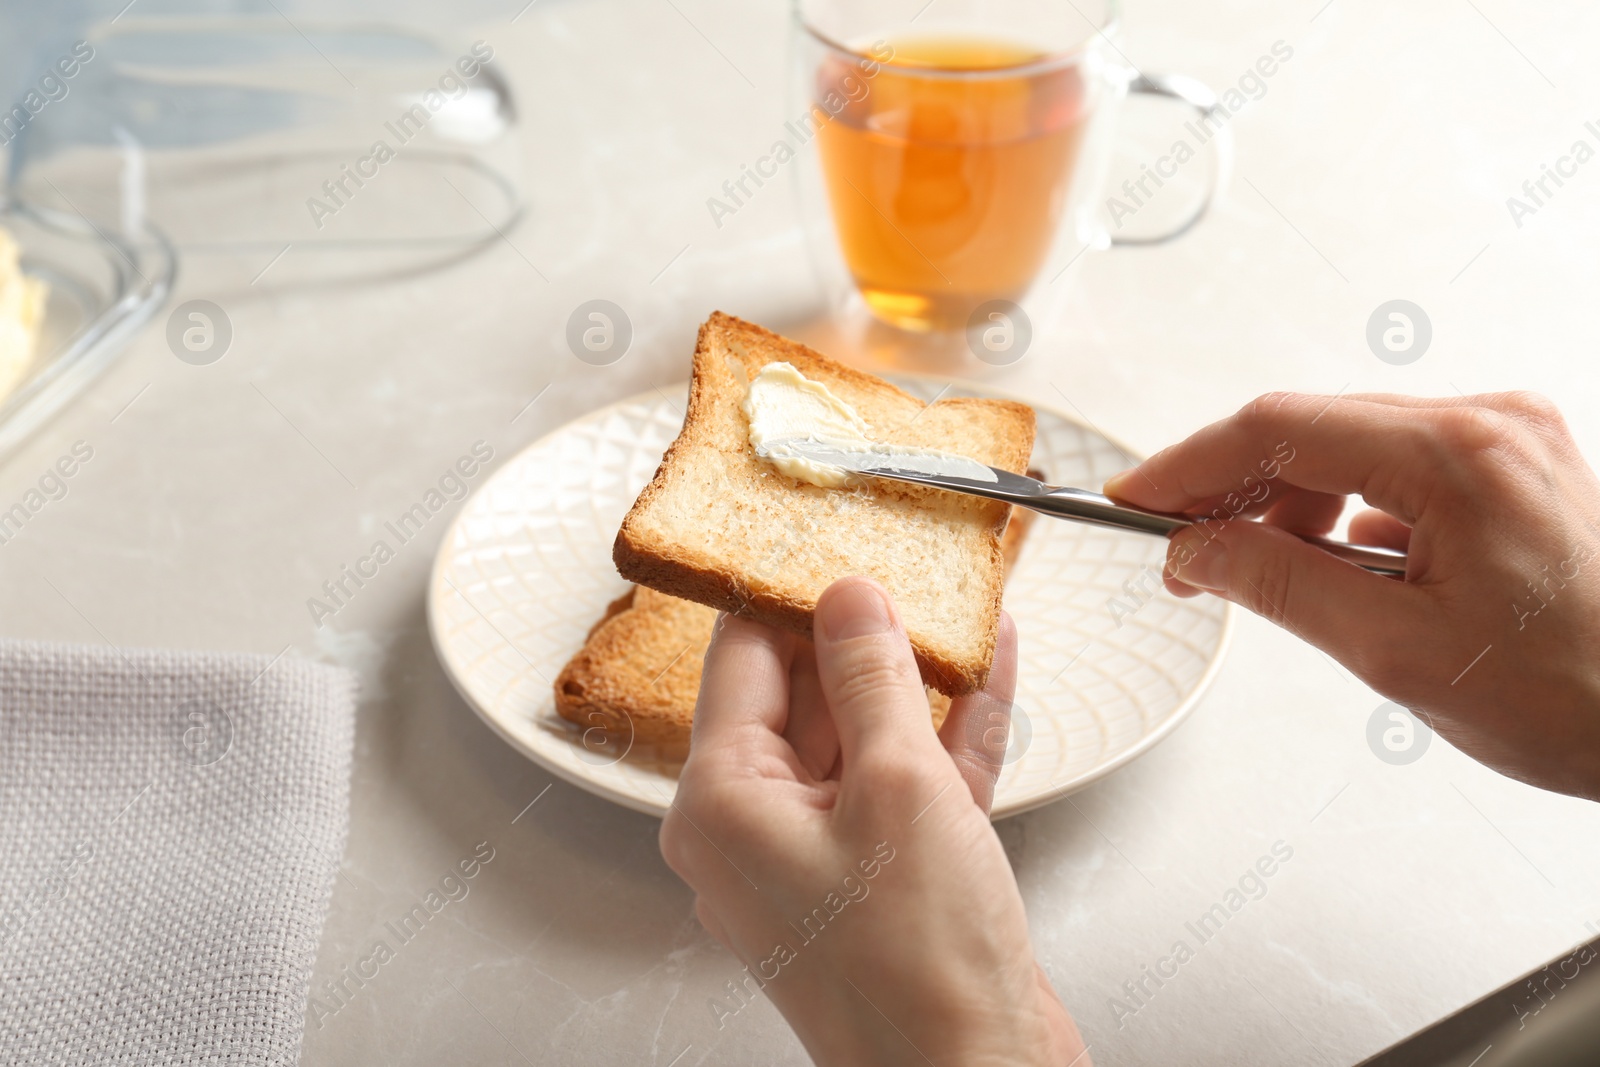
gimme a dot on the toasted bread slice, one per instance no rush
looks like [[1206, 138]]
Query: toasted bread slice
[[638, 673], [721, 527]]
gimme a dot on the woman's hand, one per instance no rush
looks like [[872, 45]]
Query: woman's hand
[[1493, 637], [845, 855]]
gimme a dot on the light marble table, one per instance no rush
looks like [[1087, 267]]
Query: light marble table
[[1377, 166]]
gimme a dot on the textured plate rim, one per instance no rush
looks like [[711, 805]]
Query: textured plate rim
[[1176, 718]]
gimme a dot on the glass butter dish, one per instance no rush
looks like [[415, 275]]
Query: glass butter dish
[[296, 148], [102, 289]]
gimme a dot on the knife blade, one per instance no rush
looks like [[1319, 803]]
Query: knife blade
[[959, 474]]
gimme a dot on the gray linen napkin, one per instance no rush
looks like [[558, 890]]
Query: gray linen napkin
[[171, 824]]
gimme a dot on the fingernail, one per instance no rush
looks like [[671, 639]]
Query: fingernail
[[1115, 484], [1200, 562], [858, 610]]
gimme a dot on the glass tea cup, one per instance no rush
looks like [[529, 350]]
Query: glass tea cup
[[956, 148]]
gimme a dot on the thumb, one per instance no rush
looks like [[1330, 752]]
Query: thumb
[[1353, 615], [868, 674]]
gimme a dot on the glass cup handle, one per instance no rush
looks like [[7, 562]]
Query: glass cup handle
[[1197, 95]]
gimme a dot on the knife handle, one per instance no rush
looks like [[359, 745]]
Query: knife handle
[[1084, 506]]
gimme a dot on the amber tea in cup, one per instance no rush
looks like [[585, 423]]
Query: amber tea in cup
[[955, 150], [948, 191]]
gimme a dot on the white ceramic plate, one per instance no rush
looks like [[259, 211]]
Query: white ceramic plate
[[1108, 664]]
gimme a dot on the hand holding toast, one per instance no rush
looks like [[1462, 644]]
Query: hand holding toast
[[844, 853], [1492, 634]]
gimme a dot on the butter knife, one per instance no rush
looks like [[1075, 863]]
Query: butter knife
[[958, 474]]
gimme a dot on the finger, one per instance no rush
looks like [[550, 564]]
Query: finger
[[978, 726], [1301, 511], [1497, 401], [1529, 410], [1502, 402], [1373, 527], [744, 688], [1355, 616], [1304, 509], [1389, 455], [1169, 579], [1253, 497], [810, 730], [1306, 512], [868, 675]]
